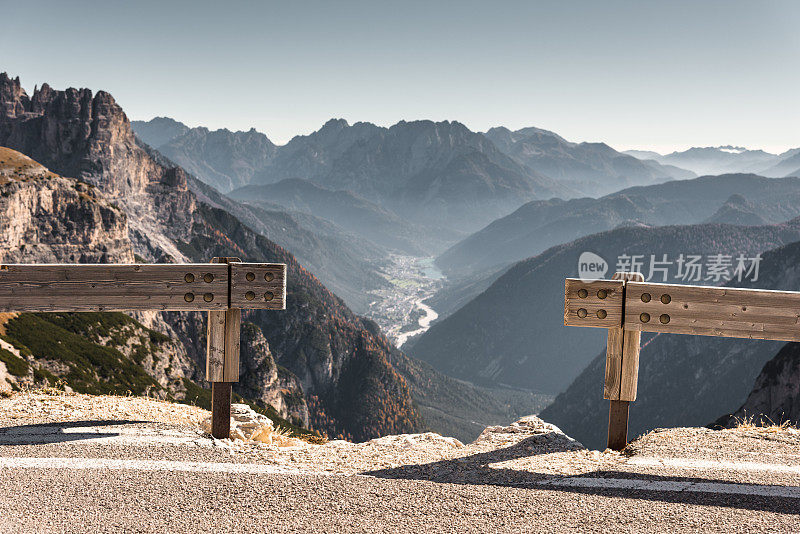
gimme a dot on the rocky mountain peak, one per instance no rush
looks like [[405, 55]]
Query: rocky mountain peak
[[13, 99], [352, 389], [335, 124], [75, 133]]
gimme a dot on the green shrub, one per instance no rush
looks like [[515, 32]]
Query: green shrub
[[93, 368], [14, 364]]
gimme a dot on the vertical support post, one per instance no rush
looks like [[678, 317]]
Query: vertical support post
[[221, 409], [222, 361], [622, 373]]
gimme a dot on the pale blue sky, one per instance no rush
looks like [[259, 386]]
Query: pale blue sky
[[638, 74]]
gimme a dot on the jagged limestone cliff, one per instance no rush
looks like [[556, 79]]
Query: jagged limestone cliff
[[47, 218]]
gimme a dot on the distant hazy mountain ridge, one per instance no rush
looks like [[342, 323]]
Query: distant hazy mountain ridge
[[221, 158], [726, 159], [592, 168], [439, 173], [539, 225]]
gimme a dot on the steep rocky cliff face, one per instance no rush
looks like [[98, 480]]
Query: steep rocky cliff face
[[258, 367], [342, 366], [88, 137], [47, 218], [775, 398]]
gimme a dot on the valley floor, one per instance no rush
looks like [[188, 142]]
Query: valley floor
[[400, 310], [74, 463]]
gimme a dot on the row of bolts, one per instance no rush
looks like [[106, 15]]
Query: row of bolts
[[644, 317]]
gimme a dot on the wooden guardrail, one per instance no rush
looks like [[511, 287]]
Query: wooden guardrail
[[223, 288], [628, 306]]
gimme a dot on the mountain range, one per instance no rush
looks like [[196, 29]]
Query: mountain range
[[512, 333], [221, 158], [336, 372], [347, 210], [423, 172], [594, 169], [538, 225], [727, 159], [506, 212]]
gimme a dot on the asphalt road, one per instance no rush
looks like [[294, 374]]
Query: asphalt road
[[179, 483]]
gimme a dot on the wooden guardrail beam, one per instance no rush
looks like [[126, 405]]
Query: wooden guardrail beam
[[713, 311], [595, 303], [258, 286], [113, 287], [628, 306], [223, 288]]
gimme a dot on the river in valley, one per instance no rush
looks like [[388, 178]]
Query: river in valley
[[400, 309]]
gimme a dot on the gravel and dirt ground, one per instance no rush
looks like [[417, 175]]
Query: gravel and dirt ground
[[75, 463]]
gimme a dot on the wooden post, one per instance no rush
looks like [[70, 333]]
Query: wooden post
[[618, 425], [622, 373], [221, 409], [222, 362]]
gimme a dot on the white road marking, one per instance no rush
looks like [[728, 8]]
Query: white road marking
[[7, 462], [727, 465], [675, 486], [110, 435]]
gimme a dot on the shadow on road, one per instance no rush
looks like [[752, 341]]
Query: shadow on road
[[476, 470], [45, 433]]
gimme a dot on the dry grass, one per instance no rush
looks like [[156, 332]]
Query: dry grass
[[275, 436], [17, 166], [762, 425]]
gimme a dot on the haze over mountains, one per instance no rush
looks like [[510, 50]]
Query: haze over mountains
[[513, 333], [594, 169], [727, 159], [506, 213], [341, 364], [541, 224], [338, 367], [420, 171]]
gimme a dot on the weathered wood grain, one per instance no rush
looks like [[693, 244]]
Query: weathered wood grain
[[233, 328], [113, 287], [215, 346], [629, 377], [622, 355], [613, 363], [713, 311], [258, 286], [583, 305]]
